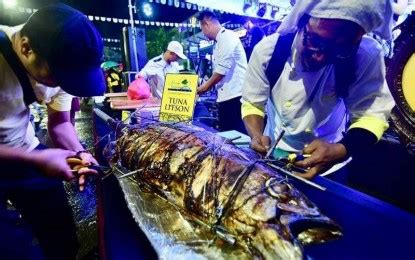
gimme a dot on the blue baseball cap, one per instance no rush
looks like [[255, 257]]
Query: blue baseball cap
[[72, 47]]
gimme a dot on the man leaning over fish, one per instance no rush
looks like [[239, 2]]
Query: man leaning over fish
[[327, 90]]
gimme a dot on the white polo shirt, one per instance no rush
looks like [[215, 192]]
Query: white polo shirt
[[303, 118], [15, 127], [155, 72], [229, 59]]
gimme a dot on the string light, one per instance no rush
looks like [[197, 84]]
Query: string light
[[110, 40], [192, 24], [115, 48]]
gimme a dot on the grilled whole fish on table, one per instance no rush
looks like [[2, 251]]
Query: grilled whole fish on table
[[197, 171]]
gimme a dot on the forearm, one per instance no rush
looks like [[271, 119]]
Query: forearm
[[16, 157], [357, 140], [253, 117], [62, 132], [13, 155], [141, 74], [213, 80], [64, 136], [254, 124]]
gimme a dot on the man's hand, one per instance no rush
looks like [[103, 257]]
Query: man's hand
[[87, 160], [210, 83], [260, 143], [52, 162], [254, 124], [202, 89], [63, 135], [323, 156]]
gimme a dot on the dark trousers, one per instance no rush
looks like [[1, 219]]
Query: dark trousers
[[229, 113], [43, 204]]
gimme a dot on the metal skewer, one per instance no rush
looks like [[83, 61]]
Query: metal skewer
[[130, 173], [274, 145], [103, 115], [315, 185]]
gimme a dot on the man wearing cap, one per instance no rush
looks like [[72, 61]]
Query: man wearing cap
[[229, 62], [329, 93], [57, 46], [156, 69]]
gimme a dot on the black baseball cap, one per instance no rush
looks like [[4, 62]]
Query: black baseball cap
[[72, 47]]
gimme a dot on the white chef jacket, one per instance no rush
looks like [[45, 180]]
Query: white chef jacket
[[155, 72], [229, 59], [367, 105]]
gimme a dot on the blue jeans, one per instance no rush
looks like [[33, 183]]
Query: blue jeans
[[43, 204]]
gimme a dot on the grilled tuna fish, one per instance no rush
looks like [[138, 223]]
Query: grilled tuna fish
[[225, 187]]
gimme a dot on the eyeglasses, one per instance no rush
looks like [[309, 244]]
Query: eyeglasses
[[314, 43]]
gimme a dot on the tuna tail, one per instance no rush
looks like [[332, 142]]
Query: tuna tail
[[313, 230]]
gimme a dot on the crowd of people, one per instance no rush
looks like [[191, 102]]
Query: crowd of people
[[319, 79]]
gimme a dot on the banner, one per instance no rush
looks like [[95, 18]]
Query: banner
[[179, 97]]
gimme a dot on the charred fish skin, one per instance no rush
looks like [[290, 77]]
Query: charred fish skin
[[197, 171]]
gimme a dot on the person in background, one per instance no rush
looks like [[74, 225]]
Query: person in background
[[253, 35], [156, 69], [402, 9], [330, 96], [229, 66], [399, 10], [57, 46], [399, 7], [113, 76]]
